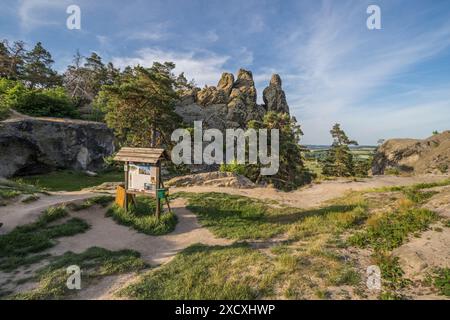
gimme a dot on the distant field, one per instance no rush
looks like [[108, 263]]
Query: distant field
[[319, 152]]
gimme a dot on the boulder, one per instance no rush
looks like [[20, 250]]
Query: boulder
[[274, 96], [213, 179], [35, 145], [430, 155]]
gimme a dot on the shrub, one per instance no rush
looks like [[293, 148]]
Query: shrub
[[52, 102], [443, 167], [233, 167]]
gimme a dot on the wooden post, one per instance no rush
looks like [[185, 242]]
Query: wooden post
[[126, 185], [158, 179]]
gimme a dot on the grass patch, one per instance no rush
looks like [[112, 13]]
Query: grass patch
[[418, 196], [19, 186], [207, 272], [331, 220], [391, 229], [67, 180], [391, 276], [344, 276], [415, 187], [7, 194], [142, 217], [236, 217], [243, 218], [94, 263], [102, 201], [17, 245], [11, 189], [441, 281]]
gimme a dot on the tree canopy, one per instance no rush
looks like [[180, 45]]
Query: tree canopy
[[339, 160], [139, 106]]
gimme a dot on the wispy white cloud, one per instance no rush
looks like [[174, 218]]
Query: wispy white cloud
[[340, 66], [36, 13], [211, 36], [149, 32], [204, 66], [256, 24]]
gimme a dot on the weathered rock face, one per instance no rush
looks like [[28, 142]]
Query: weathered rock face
[[274, 97], [216, 95], [36, 145], [226, 83], [232, 103], [213, 179], [431, 155]]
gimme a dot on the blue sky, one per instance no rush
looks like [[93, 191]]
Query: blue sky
[[393, 82]]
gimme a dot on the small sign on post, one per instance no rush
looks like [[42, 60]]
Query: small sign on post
[[142, 168]]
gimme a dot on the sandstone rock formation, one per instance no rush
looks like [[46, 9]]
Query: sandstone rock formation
[[216, 179], [34, 145], [431, 155], [274, 97], [232, 103]]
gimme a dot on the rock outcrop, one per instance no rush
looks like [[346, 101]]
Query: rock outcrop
[[274, 97], [431, 155], [213, 179], [35, 145], [232, 103]]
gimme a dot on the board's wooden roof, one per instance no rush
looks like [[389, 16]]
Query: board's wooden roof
[[144, 155]]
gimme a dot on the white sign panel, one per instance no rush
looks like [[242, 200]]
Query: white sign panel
[[142, 177]]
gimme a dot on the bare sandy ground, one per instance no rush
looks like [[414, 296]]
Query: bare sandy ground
[[106, 233], [20, 213], [317, 193], [420, 255], [156, 250]]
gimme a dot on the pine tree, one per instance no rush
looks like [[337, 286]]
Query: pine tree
[[291, 173], [140, 106], [12, 59], [38, 72], [339, 160]]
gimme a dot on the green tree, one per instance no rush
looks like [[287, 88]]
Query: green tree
[[84, 78], [38, 72], [12, 59], [51, 102], [339, 159], [139, 106], [292, 172], [362, 167]]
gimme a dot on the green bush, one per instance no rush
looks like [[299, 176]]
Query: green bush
[[233, 167], [143, 219], [52, 102], [443, 167]]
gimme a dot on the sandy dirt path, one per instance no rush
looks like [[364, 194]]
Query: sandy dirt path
[[20, 213], [156, 250], [108, 234], [316, 194]]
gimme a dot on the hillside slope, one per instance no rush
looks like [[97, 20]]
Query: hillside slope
[[431, 155]]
